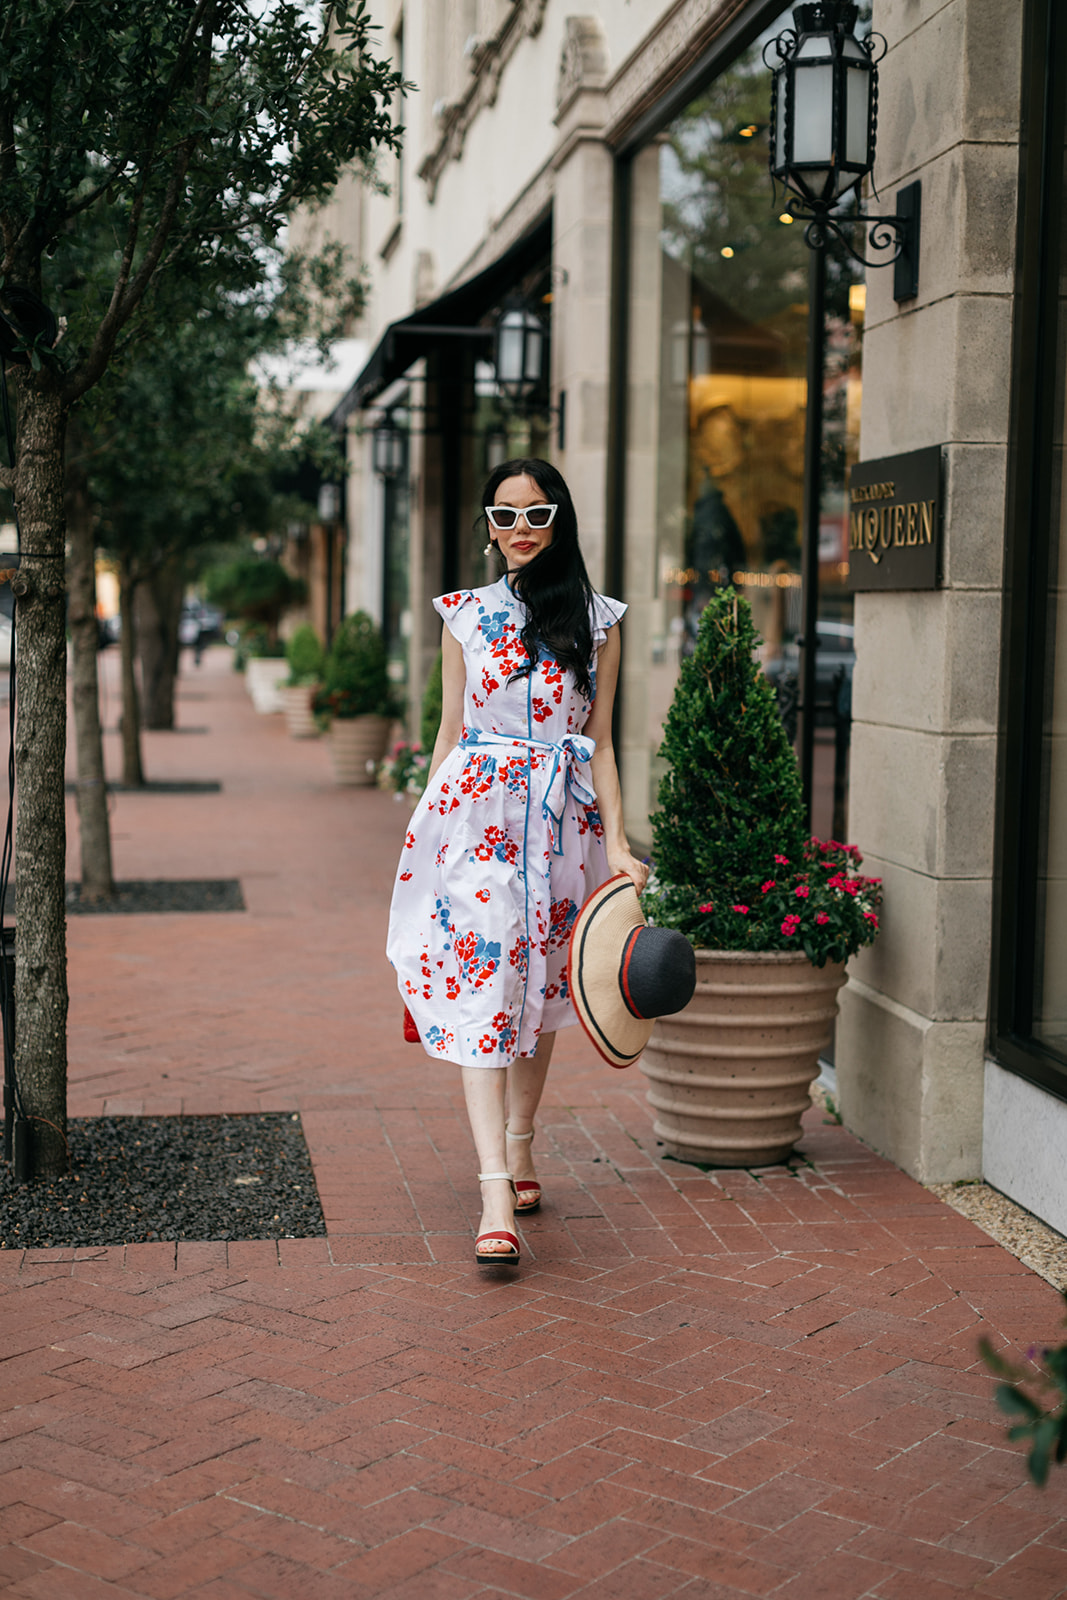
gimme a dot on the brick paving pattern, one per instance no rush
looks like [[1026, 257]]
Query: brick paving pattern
[[713, 1387]]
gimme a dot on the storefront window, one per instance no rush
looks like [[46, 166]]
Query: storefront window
[[1050, 997], [1030, 972], [718, 331]]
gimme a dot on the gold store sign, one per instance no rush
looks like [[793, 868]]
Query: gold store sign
[[894, 522]]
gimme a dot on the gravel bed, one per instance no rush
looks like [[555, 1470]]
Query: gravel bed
[[134, 1179], [161, 894], [1030, 1240]]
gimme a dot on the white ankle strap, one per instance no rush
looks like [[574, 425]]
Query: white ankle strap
[[511, 1135], [487, 1177]]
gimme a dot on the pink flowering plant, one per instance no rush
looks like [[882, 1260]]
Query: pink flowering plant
[[734, 866], [819, 904], [404, 770]]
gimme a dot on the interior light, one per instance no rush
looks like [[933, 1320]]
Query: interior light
[[857, 297], [750, 132], [727, 251], [786, 218]]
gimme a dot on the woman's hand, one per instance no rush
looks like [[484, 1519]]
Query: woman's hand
[[623, 861]]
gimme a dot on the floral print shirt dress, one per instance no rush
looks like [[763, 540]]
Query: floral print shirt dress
[[503, 848]]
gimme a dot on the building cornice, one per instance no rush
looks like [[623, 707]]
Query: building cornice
[[488, 58], [665, 53]]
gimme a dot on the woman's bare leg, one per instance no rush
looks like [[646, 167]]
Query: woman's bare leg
[[526, 1083], [483, 1090]]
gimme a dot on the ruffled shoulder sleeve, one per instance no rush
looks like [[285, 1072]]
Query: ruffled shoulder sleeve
[[604, 614], [460, 612]]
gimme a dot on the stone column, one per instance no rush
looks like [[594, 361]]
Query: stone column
[[910, 1044], [581, 293]]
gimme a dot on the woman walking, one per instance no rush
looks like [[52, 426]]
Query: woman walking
[[520, 821]]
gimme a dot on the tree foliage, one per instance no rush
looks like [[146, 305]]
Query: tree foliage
[[255, 589], [193, 126]]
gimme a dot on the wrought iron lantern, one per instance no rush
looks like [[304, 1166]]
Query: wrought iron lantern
[[824, 118], [824, 101], [520, 351], [388, 448]]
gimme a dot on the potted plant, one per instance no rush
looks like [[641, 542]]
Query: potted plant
[[257, 591], [305, 656], [404, 771], [355, 699], [773, 914]]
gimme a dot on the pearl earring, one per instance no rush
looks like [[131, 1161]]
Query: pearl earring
[[489, 548]]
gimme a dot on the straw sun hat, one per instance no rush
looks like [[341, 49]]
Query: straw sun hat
[[623, 974]]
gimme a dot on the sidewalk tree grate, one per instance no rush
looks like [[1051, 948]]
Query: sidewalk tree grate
[[147, 895], [136, 1179], [161, 785]]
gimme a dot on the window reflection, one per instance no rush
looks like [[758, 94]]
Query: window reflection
[[1050, 998], [717, 396]]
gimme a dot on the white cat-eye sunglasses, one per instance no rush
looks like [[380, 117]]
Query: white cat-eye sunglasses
[[503, 518]]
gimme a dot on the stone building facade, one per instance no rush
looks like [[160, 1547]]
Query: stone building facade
[[604, 169]]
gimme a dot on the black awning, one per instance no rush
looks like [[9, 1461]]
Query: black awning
[[455, 314]]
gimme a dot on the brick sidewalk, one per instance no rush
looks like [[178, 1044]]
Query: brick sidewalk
[[710, 1387]]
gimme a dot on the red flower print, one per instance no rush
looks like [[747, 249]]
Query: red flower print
[[405, 877], [482, 895], [452, 988]]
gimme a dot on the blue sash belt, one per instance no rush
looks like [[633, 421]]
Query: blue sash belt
[[564, 778]]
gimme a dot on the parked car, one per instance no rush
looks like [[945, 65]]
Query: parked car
[[199, 625], [835, 661]]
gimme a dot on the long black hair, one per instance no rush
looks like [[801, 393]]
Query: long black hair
[[554, 586]]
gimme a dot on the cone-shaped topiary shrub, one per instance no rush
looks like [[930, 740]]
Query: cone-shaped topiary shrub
[[305, 656], [734, 868], [356, 675]]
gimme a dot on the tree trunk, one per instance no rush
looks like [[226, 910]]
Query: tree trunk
[[40, 749], [132, 767], [159, 609], [93, 822]]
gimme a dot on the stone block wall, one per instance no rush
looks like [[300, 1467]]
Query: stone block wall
[[911, 1038]]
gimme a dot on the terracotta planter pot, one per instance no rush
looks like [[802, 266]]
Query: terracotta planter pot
[[263, 676], [729, 1077], [299, 717], [357, 744]]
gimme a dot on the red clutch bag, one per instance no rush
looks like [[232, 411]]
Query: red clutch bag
[[411, 1033]]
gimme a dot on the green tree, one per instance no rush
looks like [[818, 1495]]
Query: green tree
[[193, 128]]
